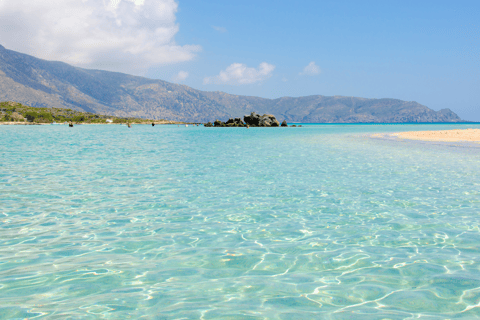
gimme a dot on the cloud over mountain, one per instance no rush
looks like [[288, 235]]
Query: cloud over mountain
[[181, 76], [238, 73], [117, 35]]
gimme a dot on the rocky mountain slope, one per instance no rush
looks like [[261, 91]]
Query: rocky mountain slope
[[42, 83]]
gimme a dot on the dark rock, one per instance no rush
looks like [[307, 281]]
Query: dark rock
[[208, 125], [256, 120], [219, 123], [237, 122], [271, 121], [293, 125], [284, 123], [252, 120]]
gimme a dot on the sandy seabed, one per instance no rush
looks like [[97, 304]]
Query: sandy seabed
[[456, 135]]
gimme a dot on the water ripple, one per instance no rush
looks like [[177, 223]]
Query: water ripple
[[193, 223]]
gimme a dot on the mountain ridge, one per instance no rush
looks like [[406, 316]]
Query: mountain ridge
[[43, 83]]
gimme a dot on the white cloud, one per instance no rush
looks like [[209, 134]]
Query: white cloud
[[117, 35], [182, 75], [238, 73], [220, 29], [311, 70]]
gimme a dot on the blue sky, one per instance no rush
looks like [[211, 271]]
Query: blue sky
[[424, 51]]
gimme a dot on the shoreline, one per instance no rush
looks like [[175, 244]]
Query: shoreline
[[18, 123]]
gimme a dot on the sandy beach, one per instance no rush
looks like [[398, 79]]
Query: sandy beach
[[21, 123], [472, 135]]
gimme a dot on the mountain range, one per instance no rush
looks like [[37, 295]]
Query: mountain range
[[42, 83]]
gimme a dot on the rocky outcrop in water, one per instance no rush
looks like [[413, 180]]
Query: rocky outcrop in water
[[232, 122], [252, 120], [256, 120], [237, 122], [218, 123]]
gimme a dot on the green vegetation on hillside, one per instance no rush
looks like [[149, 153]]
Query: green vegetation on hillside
[[17, 112]]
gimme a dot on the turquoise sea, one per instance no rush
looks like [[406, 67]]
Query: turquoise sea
[[170, 222]]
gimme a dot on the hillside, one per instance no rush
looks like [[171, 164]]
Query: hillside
[[41, 83], [17, 113]]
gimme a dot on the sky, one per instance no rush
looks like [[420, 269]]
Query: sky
[[423, 51]]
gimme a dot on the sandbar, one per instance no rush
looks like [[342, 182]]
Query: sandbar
[[455, 135]]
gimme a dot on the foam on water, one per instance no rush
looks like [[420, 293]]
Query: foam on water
[[170, 222]]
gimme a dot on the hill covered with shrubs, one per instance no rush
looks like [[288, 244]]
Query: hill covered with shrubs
[[17, 112]]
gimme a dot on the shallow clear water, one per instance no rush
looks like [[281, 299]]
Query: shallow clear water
[[171, 222]]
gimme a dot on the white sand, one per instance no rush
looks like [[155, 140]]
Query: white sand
[[455, 135]]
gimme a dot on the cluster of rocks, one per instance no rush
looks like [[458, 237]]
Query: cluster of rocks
[[252, 120]]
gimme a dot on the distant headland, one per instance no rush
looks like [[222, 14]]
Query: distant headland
[[41, 83]]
